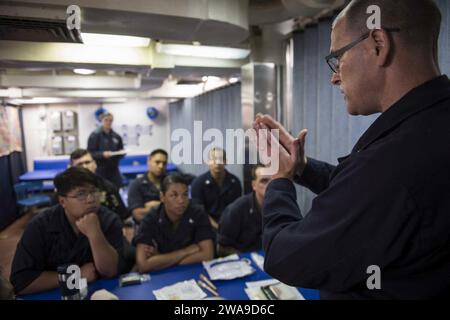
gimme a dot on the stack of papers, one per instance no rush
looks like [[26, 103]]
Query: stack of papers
[[228, 268], [186, 290], [258, 260], [271, 289]]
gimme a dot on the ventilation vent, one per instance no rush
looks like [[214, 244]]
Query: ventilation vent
[[38, 30]]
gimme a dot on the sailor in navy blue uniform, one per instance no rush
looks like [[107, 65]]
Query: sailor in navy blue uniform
[[101, 143], [175, 232], [217, 188], [76, 231], [379, 226], [240, 227], [143, 193], [110, 197]]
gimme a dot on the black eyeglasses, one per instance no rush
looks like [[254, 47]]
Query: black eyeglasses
[[333, 58], [83, 195]]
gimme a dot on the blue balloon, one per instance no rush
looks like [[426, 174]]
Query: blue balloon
[[99, 112], [152, 113]]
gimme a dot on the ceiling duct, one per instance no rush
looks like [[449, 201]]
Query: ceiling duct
[[210, 22], [307, 8], [37, 30], [274, 11]]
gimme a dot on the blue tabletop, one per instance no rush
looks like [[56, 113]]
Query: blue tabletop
[[40, 175], [49, 174], [133, 170], [228, 289]]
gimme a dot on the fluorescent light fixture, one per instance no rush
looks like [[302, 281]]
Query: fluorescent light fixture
[[84, 71], [210, 79], [115, 100], [233, 80], [97, 39], [13, 92], [203, 51], [38, 100]]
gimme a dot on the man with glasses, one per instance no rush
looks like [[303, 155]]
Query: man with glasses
[[110, 197], [76, 231], [379, 226]]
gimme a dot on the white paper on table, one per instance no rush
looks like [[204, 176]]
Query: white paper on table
[[258, 260], [254, 291], [230, 257], [261, 283], [228, 268], [186, 290]]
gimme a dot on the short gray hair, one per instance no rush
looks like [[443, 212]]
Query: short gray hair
[[419, 21]]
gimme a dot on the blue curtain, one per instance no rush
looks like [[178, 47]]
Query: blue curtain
[[444, 39], [220, 109], [11, 167], [319, 106]]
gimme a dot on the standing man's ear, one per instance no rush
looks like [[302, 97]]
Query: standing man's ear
[[382, 43]]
